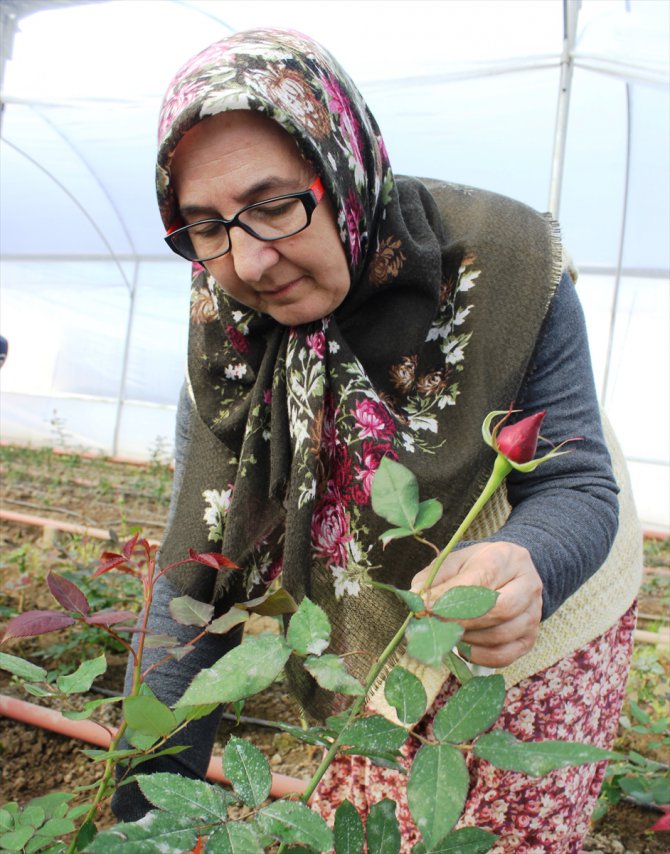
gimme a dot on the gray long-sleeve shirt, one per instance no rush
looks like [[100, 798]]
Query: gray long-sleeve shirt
[[565, 513]]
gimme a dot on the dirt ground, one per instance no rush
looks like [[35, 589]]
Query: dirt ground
[[120, 498]]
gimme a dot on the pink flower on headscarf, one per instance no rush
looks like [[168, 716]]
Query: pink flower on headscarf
[[373, 420], [330, 530], [236, 338], [371, 456], [340, 469], [267, 396], [354, 214], [317, 344], [340, 104]]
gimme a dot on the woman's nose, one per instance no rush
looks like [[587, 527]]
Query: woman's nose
[[251, 257]]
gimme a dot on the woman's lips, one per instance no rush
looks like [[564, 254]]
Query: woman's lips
[[283, 289]]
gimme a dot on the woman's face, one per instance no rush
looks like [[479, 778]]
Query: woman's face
[[234, 159]]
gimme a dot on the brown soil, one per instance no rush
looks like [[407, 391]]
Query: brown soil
[[120, 498]]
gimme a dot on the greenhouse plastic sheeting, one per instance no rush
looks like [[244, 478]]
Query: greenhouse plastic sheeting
[[94, 305]]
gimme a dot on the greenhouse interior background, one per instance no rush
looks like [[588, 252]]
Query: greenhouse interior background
[[562, 104]]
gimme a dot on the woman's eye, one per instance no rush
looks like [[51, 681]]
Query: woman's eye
[[205, 229], [274, 211]]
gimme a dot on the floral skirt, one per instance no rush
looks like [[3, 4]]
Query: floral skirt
[[577, 699]]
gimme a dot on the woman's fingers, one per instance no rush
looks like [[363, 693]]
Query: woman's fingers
[[510, 628]]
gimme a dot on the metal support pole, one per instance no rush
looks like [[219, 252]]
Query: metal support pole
[[126, 359], [570, 16]]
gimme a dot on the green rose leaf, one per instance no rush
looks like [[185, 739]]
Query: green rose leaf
[[234, 838], [474, 708], [348, 831], [375, 734], [182, 796], [147, 716], [395, 534], [272, 604], [194, 713], [31, 815], [309, 629], [37, 690], [467, 840], [89, 708], [536, 758], [395, 494], [293, 821], [248, 669], [248, 771], [430, 513], [191, 612], [6, 820], [228, 621], [22, 668], [15, 840], [465, 603], [381, 829], [436, 790], [83, 677], [429, 639], [162, 830], [459, 667], [404, 691], [52, 828], [330, 672]]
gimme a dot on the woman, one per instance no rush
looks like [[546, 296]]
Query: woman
[[341, 314]]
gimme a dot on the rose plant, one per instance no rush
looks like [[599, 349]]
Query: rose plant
[[192, 813]]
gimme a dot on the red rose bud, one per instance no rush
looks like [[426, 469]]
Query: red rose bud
[[518, 442]]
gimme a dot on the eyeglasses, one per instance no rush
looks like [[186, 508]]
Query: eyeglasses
[[271, 219]]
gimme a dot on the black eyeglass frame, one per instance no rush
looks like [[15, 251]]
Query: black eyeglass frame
[[310, 198]]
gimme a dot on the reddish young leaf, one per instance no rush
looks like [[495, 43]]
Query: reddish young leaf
[[36, 623], [110, 560], [662, 824], [67, 594], [129, 547], [110, 617], [213, 559]]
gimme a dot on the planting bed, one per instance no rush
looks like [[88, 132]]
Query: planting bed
[[121, 498]]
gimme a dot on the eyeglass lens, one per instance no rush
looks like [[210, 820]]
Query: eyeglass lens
[[268, 220]]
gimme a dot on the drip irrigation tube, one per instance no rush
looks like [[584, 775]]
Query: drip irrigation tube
[[92, 733]]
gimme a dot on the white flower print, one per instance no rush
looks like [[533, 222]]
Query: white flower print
[[235, 372], [218, 505]]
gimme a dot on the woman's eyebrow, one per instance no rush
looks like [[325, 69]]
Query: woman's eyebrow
[[267, 187], [262, 189]]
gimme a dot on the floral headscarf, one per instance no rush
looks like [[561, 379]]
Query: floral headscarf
[[291, 422]]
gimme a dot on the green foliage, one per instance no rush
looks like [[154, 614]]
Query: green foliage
[[331, 673], [181, 796], [473, 709], [465, 603], [636, 776], [248, 771], [436, 790], [40, 825], [157, 833], [467, 840], [382, 831], [536, 758], [186, 810], [294, 822], [348, 832], [309, 629], [430, 640], [245, 670], [405, 692], [395, 497]]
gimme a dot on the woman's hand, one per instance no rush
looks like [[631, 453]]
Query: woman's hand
[[510, 628]]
